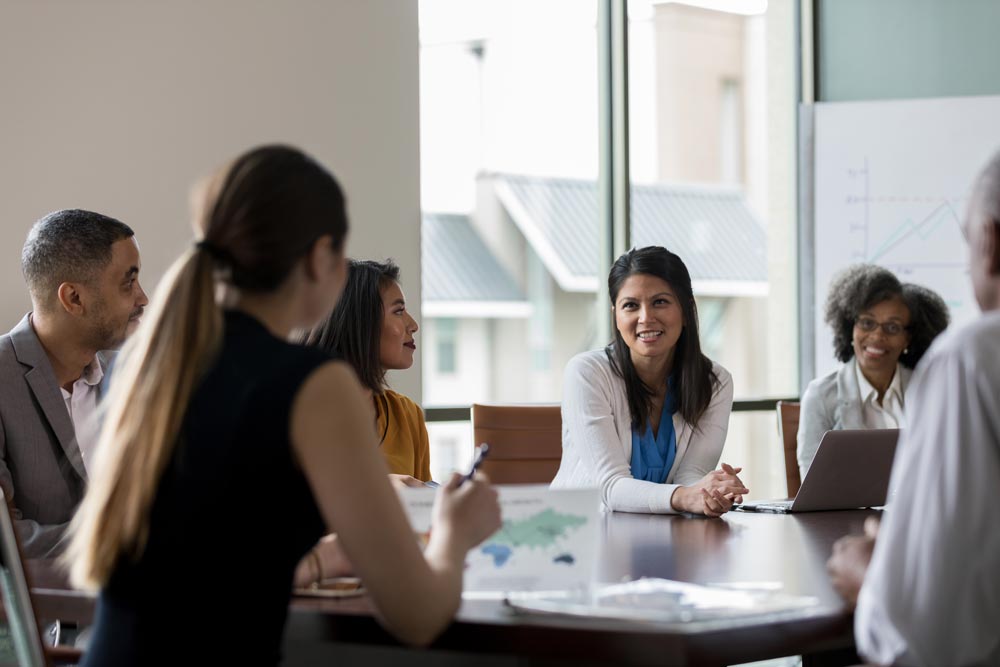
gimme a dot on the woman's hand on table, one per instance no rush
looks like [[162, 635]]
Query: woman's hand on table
[[403, 481], [326, 560], [713, 495]]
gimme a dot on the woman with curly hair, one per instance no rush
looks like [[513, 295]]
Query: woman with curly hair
[[881, 328]]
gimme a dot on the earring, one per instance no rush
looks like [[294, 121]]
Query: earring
[[906, 351]]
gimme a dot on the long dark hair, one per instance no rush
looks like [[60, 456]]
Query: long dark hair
[[693, 377], [258, 217], [354, 328]]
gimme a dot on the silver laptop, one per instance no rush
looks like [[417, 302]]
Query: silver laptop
[[851, 469]]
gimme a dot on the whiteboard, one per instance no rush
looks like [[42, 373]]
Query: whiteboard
[[892, 183]]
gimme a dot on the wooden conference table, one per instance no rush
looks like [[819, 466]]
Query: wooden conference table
[[790, 549]]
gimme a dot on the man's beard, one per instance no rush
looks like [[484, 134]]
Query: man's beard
[[105, 333]]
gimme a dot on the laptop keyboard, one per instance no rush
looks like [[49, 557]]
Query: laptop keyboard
[[768, 506]]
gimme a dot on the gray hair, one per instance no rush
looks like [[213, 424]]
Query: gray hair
[[986, 194], [72, 245]]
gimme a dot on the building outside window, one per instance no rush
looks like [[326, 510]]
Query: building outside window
[[509, 142]]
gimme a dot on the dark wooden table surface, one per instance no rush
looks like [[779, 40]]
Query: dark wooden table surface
[[789, 549]]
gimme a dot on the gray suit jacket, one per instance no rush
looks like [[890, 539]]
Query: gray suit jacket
[[41, 467], [832, 403]]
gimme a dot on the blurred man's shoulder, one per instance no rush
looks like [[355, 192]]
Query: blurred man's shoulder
[[977, 341]]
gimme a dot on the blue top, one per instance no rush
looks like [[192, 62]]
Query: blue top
[[653, 457]]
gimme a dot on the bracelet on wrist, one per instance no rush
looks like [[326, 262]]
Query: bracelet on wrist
[[317, 566]]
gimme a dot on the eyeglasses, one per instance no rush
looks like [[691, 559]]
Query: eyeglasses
[[868, 325]]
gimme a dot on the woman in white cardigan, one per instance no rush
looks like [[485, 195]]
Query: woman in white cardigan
[[645, 419]]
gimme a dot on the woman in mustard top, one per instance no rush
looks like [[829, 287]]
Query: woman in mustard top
[[372, 331]]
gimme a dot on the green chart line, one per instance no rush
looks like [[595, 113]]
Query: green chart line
[[927, 226]]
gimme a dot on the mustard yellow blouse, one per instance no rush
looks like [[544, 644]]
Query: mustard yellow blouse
[[405, 447]]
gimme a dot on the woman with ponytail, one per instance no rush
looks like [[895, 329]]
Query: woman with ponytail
[[217, 471], [645, 419]]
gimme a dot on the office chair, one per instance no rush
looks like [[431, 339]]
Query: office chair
[[788, 428], [525, 442]]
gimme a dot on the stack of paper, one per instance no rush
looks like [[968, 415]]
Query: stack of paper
[[684, 606]]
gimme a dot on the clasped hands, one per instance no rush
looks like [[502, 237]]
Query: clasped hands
[[713, 495]]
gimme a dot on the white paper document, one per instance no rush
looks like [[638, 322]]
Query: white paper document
[[679, 605], [548, 541]]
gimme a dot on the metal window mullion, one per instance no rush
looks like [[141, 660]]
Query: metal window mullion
[[807, 88], [613, 151]]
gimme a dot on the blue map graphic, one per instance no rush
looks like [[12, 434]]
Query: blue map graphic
[[539, 531], [499, 552]]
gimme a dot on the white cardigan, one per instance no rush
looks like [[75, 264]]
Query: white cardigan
[[597, 438]]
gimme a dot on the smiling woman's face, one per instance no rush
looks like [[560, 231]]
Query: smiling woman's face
[[648, 316], [397, 345], [877, 351]]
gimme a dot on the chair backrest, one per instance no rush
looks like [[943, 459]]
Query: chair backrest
[[525, 442], [788, 428], [22, 624]]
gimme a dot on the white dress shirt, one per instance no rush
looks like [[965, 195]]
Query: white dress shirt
[[834, 402], [82, 406], [931, 595], [890, 413]]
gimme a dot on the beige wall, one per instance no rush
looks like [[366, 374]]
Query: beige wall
[[119, 106]]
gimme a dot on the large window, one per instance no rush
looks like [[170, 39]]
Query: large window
[[508, 169], [511, 226], [712, 162]]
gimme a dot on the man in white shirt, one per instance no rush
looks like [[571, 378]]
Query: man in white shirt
[[931, 592], [82, 271]]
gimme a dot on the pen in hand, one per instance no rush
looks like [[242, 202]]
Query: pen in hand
[[484, 449]]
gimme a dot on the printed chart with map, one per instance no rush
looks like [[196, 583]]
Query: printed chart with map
[[548, 540]]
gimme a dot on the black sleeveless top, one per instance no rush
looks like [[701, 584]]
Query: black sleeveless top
[[233, 515]]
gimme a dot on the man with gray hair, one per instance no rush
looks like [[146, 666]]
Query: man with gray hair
[[82, 271], [926, 581]]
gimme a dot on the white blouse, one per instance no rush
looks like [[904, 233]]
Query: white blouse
[[890, 413]]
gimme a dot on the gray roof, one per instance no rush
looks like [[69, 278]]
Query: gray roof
[[457, 265], [709, 226]]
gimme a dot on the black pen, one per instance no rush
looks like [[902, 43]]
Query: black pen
[[484, 449]]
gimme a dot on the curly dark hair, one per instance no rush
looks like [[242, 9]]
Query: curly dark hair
[[928, 317], [861, 286]]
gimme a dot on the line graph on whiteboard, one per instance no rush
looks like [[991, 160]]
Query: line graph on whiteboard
[[892, 183], [908, 234], [916, 236]]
